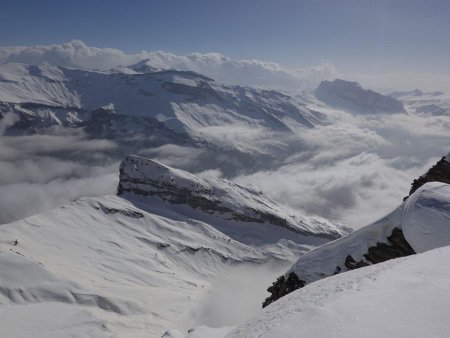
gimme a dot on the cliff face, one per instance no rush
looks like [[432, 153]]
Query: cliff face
[[217, 197]]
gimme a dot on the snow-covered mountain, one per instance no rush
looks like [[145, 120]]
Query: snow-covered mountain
[[185, 101], [218, 197], [236, 127], [419, 224], [141, 262], [350, 96]]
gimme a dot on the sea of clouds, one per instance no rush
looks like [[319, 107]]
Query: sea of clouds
[[42, 172], [354, 169]]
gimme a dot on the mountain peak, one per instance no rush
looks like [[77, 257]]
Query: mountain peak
[[343, 83], [144, 66], [350, 96]]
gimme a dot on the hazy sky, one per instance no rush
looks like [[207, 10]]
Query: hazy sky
[[358, 36]]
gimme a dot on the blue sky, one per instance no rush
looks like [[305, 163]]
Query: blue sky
[[356, 36]]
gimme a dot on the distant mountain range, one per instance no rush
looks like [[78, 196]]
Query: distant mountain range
[[148, 107]]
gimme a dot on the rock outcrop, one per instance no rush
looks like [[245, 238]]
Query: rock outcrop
[[440, 172], [217, 197]]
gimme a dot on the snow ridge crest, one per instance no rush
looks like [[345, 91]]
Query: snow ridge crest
[[224, 199]]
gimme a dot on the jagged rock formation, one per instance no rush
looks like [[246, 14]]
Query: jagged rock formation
[[440, 172], [282, 287], [29, 117], [398, 247], [351, 97], [217, 197]]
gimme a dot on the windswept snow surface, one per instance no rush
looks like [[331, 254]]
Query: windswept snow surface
[[426, 217], [406, 297], [105, 267]]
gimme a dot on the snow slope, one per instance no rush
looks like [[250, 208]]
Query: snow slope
[[135, 265], [110, 269], [406, 297]]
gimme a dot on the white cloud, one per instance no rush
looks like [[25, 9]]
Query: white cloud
[[390, 82], [7, 121], [215, 65], [357, 169], [174, 155], [71, 54], [244, 72], [41, 172], [24, 199]]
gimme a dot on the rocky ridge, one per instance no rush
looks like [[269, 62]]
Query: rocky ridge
[[440, 172], [217, 197]]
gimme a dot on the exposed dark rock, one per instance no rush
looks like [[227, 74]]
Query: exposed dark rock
[[282, 287], [202, 90], [396, 247], [176, 195], [440, 172], [125, 212], [383, 252], [132, 131]]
